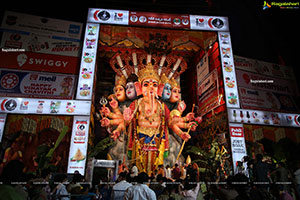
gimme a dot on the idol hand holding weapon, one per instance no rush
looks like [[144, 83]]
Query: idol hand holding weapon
[[177, 122], [193, 127], [114, 118]]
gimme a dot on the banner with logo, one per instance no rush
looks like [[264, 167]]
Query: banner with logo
[[41, 26], [208, 93], [79, 142], [264, 68], [211, 23], [263, 117], [39, 62], [182, 21], [228, 69], [88, 61], [108, 16], [36, 85], [260, 82], [208, 82], [265, 100], [159, 20], [39, 44], [44, 106], [238, 148]]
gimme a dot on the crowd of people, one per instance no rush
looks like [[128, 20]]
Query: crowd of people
[[264, 182]]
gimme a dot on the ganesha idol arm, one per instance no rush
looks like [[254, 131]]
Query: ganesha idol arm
[[177, 129], [105, 122], [116, 118], [116, 114], [177, 123], [189, 117]]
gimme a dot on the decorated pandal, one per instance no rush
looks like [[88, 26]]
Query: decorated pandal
[[144, 115]]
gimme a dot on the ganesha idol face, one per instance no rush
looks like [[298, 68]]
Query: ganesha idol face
[[130, 91], [149, 88], [120, 93], [176, 95]]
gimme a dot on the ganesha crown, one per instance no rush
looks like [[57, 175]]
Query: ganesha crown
[[148, 72]]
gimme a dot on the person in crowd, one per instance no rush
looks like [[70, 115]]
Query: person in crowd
[[157, 185], [168, 172], [46, 176], [120, 188], [247, 192], [36, 189], [161, 170], [228, 191], [86, 194], [105, 189], [282, 177], [250, 165], [261, 173], [140, 191], [153, 175], [60, 190], [176, 172], [297, 180], [134, 171], [183, 172], [11, 174], [191, 189], [170, 192], [75, 186]]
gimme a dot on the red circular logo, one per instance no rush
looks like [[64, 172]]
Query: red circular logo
[[9, 81]]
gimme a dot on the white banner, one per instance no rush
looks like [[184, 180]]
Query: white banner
[[78, 146], [229, 76], [263, 68], [209, 81], [2, 124], [43, 27], [14, 83], [263, 117], [238, 148], [108, 16], [44, 106], [39, 44], [88, 61], [211, 23], [256, 81], [265, 100]]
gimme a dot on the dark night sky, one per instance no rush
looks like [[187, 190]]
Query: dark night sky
[[270, 35]]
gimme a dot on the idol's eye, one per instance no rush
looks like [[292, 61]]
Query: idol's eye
[[145, 84], [155, 84]]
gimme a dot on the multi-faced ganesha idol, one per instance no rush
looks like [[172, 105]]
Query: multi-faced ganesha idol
[[144, 116]]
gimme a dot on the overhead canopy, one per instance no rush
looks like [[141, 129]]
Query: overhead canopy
[[162, 41]]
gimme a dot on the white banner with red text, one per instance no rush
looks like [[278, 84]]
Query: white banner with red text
[[238, 148], [78, 146]]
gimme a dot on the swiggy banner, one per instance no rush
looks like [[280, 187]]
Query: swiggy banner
[[39, 62]]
